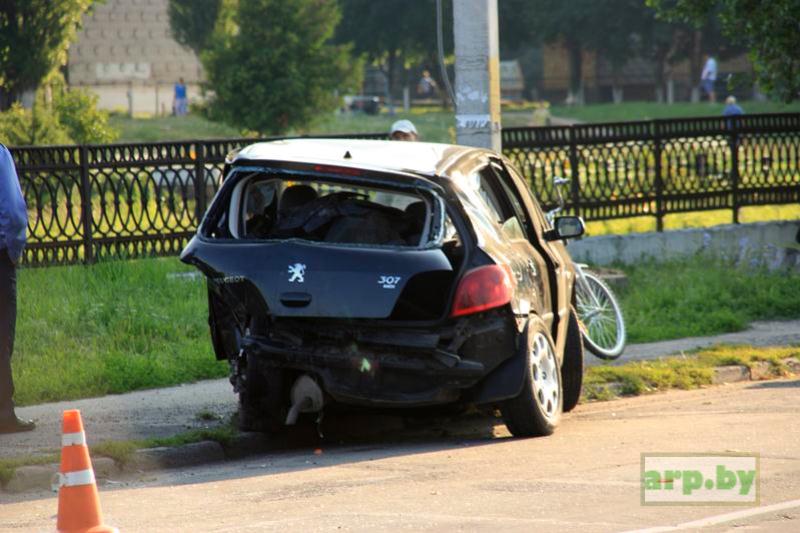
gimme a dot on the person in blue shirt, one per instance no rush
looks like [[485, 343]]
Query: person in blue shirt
[[181, 103], [709, 77], [13, 227], [731, 107]]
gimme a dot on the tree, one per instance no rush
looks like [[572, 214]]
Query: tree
[[390, 33], [34, 36], [276, 69], [606, 27], [769, 30], [193, 21]]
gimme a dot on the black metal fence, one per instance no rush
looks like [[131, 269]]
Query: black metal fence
[[661, 167], [145, 199], [119, 200]]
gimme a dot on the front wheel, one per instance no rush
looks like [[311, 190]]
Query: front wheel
[[536, 410], [603, 327]]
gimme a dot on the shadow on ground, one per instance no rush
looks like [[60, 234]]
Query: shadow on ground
[[349, 438], [776, 385]]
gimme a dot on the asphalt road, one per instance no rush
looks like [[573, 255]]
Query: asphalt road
[[472, 476], [168, 411]]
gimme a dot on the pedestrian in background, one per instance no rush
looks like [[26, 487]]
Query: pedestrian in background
[[427, 87], [709, 77], [403, 130], [180, 104], [13, 227], [731, 107]]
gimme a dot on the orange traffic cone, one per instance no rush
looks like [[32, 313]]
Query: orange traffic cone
[[78, 501]]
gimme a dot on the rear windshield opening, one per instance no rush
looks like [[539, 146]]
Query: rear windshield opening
[[274, 207]]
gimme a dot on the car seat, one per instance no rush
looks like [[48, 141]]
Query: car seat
[[296, 196]]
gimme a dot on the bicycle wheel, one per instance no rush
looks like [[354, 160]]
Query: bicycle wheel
[[602, 325]]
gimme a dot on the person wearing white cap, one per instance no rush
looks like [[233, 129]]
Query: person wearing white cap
[[403, 130]]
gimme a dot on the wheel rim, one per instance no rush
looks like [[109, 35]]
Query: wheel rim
[[599, 318], [545, 376]]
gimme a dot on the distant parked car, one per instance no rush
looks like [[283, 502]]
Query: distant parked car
[[388, 274], [371, 105]]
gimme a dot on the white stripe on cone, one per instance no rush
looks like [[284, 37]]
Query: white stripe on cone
[[76, 479], [73, 439]]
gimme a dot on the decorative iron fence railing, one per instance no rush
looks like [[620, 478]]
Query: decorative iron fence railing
[[119, 200], [660, 167], [145, 199]]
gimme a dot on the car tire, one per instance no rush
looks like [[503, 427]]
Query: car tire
[[536, 410], [572, 367], [262, 407]]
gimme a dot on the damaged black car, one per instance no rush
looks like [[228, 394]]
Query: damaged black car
[[388, 274]]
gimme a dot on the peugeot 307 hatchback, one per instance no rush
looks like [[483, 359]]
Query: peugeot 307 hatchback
[[388, 274]]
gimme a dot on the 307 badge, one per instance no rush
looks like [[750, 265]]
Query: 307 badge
[[389, 282]]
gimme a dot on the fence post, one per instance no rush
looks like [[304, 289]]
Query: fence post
[[733, 141], [199, 180], [659, 179], [86, 205], [575, 187]]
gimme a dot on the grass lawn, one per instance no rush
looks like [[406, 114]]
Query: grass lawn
[[112, 327], [119, 326], [698, 219], [189, 127], [434, 124], [651, 110], [699, 297], [690, 372]]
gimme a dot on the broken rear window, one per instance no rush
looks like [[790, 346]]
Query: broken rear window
[[275, 206]]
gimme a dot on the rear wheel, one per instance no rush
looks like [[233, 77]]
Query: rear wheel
[[536, 411], [572, 367], [262, 406]]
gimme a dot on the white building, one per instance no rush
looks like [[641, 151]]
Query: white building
[[125, 53]]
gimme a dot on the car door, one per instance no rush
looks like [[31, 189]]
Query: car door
[[554, 252], [515, 246]]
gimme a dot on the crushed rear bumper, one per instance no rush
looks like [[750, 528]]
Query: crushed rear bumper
[[393, 367]]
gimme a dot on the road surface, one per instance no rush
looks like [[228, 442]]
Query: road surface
[[172, 410], [470, 475]]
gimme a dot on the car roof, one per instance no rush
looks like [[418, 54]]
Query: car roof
[[428, 159]]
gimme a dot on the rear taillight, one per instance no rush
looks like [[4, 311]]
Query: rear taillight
[[483, 288]]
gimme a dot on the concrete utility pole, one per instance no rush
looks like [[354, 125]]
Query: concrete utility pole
[[477, 73]]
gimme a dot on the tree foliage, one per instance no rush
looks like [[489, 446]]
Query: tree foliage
[[608, 27], [59, 115], [769, 30], [393, 35], [34, 36], [389, 26], [193, 21], [275, 69]]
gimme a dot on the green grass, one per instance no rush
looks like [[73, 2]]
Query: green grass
[[119, 326], [122, 451], [8, 466], [703, 297], [689, 372], [698, 219], [434, 124], [112, 327], [155, 129], [629, 111]]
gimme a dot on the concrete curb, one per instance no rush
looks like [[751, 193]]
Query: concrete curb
[[40, 477], [759, 371]]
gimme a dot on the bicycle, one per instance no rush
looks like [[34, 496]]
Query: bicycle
[[599, 313]]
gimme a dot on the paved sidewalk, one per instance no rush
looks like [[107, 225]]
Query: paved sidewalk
[[774, 333], [166, 412]]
